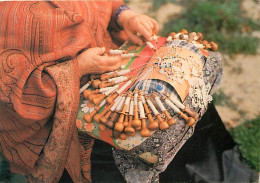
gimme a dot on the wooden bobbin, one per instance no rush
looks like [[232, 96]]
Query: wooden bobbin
[[145, 132], [172, 34], [162, 123], [99, 115], [136, 123], [184, 31], [153, 125], [191, 113], [94, 76], [119, 126], [125, 123], [104, 84], [123, 136], [212, 45], [86, 93], [200, 36], [103, 119], [129, 130], [111, 123], [170, 119], [108, 76], [97, 100], [91, 97], [88, 117], [96, 83], [102, 127], [110, 99], [189, 120]]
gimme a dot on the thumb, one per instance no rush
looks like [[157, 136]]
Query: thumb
[[100, 50]]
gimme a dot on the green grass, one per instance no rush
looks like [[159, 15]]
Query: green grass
[[220, 21], [247, 136]]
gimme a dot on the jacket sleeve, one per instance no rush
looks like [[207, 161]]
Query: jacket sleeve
[[38, 48]]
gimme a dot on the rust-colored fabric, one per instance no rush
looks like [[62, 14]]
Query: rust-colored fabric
[[39, 83]]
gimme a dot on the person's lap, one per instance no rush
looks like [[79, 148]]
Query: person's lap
[[206, 156]]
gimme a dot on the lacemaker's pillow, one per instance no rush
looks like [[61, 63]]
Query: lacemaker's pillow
[[196, 76]]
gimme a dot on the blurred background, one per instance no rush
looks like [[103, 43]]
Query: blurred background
[[235, 26]]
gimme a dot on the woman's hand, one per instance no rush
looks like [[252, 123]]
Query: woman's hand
[[94, 60], [134, 23]]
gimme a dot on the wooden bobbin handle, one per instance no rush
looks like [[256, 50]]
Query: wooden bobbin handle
[[110, 99], [111, 123], [86, 93], [162, 124], [129, 130], [200, 36], [108, 76], [189, 120], [153, 125], [98, 116], [103, 119], [136, 122], [102, 127], [104, 84], [96, 83], [172, 34], [184, 31], [94, 76], [214, 46], [191, 113], [145, 132], [125, 123], [92, 96], [123, 136], [119, 124], [170, 119], [88, 117], [98, 99]]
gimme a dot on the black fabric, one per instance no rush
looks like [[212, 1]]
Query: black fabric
[[103, 168], [210, 155]]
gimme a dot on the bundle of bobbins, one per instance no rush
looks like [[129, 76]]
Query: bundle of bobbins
[[193, 38], [128, 112]]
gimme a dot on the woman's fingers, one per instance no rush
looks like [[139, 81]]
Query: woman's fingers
[[142, 24], [134, 38], [155, 26], [98, 50], [108, 63]]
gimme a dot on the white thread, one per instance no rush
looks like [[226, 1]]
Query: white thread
[[116, 52], [123, 72], [169, 39], [121, 104], [160, 103], [171, 105], [176, 102], [141, 109], [128, 55], [152, 107], [83, 88], [124, 87], [131, 110], [111, 90], [103, 103], [117, 101]]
